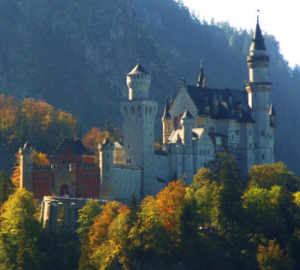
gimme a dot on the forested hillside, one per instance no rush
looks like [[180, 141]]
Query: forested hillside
[[75, 55]]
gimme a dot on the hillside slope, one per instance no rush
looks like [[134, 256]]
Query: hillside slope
[[75, 55]]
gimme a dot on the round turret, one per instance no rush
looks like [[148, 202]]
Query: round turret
[[138, 83], [187, 123], [258, 60]]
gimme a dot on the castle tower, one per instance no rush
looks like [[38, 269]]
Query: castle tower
[[26, 166], [258, 89], [106, 161], [167, 124], [138, 126], [187, 123]]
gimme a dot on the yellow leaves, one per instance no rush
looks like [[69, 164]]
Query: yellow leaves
[[35, 121], [40, 159], [37, 112], [109, 233], [15, 178], [99, 230], [271, 256], [296, 197], [160, 217], [266, 176]]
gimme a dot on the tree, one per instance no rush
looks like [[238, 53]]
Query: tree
[[86, 219], [265, 176], [203, 195], [19, 233], [230, 191], [6, 187], [262, 206], [160, 226], [96, 136], [40, 159], [272, 257], [87, 215]]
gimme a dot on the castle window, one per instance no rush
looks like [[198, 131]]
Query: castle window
[[87, 188], [87, 176], [211, 129], [37, 178], [250, 132], [237, 132], [262, 133], [96, 188], [262, 156], [250, 145], [46, 177], [128, 146]]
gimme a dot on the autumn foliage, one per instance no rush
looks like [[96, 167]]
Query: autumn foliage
[[96, 136], [218, 222], [34, 121]]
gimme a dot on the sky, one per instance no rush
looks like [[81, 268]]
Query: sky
[[278, 18]]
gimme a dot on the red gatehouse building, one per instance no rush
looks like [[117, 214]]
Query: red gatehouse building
[[72, 171]]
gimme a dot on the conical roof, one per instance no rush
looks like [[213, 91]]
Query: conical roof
[[187, 115], [272, 110], [258, 42], [166, 114], [106, 142], [138, 69]]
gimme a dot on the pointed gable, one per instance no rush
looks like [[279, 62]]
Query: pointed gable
[[183, 102]]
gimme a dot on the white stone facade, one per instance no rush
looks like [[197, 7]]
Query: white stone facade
[[199, 122]]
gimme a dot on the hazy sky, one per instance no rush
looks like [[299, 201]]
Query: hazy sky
[[278, 18]]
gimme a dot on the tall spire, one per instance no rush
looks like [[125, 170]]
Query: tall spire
[[258, 42], [202, 82], [166, 114]]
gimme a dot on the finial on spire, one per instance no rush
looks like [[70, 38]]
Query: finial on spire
[[138, 61], [183, 81], [258, 10]]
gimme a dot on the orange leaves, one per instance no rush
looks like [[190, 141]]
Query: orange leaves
[[99, 230], [34, 121], [95, 136], [160, 218], [40, 159], [171, 201]]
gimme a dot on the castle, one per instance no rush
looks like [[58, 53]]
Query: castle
[[199, 122]]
